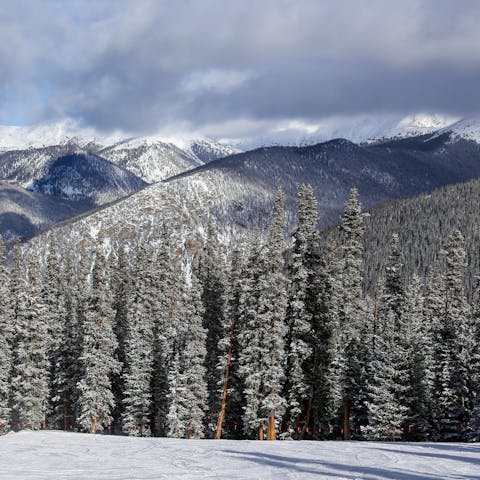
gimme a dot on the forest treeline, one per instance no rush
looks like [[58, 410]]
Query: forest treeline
[[275, 338]]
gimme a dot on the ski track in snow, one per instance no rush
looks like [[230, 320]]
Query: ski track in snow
[[60, 455]]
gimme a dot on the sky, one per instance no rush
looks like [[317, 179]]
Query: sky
[[228, 68]]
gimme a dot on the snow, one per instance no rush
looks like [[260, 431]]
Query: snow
[[61, 455], [467, 128], [357, 128]]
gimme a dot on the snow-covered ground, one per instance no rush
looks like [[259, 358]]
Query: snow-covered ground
[[60, 455]]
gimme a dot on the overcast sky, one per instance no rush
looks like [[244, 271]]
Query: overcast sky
[[221, 67]]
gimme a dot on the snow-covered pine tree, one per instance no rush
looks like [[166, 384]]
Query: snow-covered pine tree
[[453, 345], [53, 296], [168, 297], [98, 361], [263, 332], [6, 338], [29, 392], [419, 361], [386, 412], [230, 417], [212, 277], [139, 348], [249, 338], [121, 288], [323, 375], [299, 312], [474, 423], [188, 387], [352, 309], [273, 306], [387, 404]]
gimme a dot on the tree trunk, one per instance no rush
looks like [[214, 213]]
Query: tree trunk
[[260, 432], [346, 418], [65, 413], [221, 416], [271, 432], [94, 425], [307, 419]]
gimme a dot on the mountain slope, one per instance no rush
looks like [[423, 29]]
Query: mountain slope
[[22, 212], [241, 186]]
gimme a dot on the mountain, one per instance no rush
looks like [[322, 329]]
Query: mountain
[[238, 190], [149, 158], [467, 129], [53, 133], [241, 187], [61, 171], [22, 213]]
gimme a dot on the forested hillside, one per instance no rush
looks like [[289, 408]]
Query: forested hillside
[[422, 224], [273, 337]]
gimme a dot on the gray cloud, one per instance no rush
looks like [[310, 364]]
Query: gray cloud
[[143, 65]]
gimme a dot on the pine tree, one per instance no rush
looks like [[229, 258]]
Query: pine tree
[[275, 305], [263, 331], [352, 311], [122, 290], [6, 338], [139, 348], [299, 312], [168, 298], [453, 339], [387, 404], [323, 376], [53, 296], [188, 387], [29, 391], [212, 275], [419, 361], [99, 344], [230, 417], [474, 423], [250, 343]]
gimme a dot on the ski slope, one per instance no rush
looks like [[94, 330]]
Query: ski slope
[[61, 455]]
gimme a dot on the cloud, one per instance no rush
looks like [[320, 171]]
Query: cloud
[[147, 65]]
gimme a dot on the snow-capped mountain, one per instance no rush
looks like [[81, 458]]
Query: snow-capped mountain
[[150, 159], [242, 186], [467, 129], [59, 171], [55, 133], [238, 190], [418, 124]]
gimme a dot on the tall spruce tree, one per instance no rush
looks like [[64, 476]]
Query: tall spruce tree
[[389, 362], [419, 362], [352, 311], [249, 338], [166, 320], [212, 276], [323, 374], [263, 331], [139, 348], [98, 361], [230, 417], [6, 338], [121, 288], [453, 345], [188, 386], [53, 293], [29, 392], [299, 313]]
